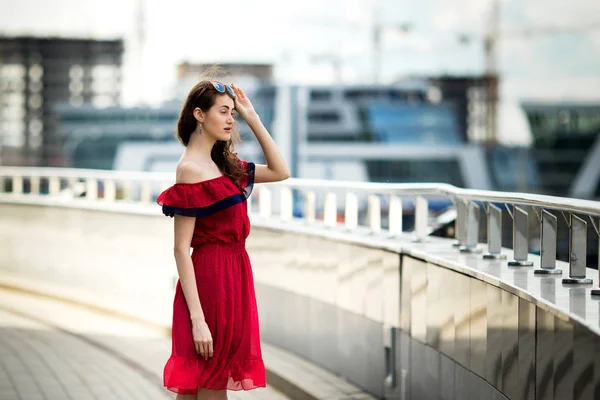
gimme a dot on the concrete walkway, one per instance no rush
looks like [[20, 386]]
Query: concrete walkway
[[52, 350]]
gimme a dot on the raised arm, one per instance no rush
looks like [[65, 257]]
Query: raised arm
[[276, 168]]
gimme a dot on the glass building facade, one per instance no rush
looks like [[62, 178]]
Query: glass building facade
[[406, 123]]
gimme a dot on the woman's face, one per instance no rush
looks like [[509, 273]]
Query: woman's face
[[218, 120]]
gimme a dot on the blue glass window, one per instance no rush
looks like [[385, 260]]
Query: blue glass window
[[406, 123]]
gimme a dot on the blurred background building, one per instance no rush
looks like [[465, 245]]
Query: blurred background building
[[37, 74], [61, 102]]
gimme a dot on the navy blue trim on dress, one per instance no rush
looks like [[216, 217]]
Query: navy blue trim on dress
[[227, 202], [250, 185]]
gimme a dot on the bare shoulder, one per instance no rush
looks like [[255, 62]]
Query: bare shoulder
[[189, 172]]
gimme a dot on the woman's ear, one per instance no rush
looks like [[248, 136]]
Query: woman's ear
[[198, 114]]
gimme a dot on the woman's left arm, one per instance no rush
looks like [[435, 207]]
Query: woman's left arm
[[276, 168]]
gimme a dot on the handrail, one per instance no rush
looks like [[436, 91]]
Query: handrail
[[443, 189], [48, 172], [142, 187], [587, 207]]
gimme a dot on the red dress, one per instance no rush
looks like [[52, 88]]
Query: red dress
[[225, 286]]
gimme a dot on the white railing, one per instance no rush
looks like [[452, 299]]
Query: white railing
[[371, 207]]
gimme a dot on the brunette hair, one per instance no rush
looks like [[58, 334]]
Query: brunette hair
[[203, 95]]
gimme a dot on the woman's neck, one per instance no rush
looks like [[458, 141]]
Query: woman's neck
[[200, 146]]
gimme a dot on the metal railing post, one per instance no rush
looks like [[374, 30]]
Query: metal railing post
[[494, 230], [520, 239], [310, 207], [265, 207], [460, 223], [34, 185], [472, 229], [351, 211], [17, 185], [395, 216], [286, 207], [110, 190], [548, 245], [53, 185], [596, 290], [577, 251], [374, 214], [421, 219], [330, 210]]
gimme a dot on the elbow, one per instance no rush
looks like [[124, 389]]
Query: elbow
[[181, 251], [278, 174], [284, 174]]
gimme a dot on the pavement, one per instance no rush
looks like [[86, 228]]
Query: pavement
[[52, 350]]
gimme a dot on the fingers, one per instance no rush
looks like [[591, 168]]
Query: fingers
[[210, 350], [239, 92], [205, 349], [238, 96], [202, 349]]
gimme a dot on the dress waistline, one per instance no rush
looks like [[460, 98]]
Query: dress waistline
[[233, 247]]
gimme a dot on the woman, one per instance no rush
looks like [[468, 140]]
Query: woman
[[215, 340]]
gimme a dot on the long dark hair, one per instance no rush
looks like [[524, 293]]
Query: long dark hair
[[222, 152]]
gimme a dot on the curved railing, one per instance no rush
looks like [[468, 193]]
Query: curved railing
[[349, 261], [365, 206]]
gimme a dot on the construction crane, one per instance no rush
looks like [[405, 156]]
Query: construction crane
[[138, 42], [490, 45], [376, 30]]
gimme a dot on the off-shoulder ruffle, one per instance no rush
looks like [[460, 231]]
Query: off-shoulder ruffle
[[205, 198]]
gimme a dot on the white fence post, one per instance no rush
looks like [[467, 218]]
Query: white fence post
[[375, 213], [351, 211]]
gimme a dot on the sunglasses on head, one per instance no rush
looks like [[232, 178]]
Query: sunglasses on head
[[220, 87]]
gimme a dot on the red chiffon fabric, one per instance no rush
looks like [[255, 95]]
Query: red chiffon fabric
[[225, 286]]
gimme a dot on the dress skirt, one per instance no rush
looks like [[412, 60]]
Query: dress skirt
[[226, 289]]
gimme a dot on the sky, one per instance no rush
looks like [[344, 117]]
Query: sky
[[293, 34]]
